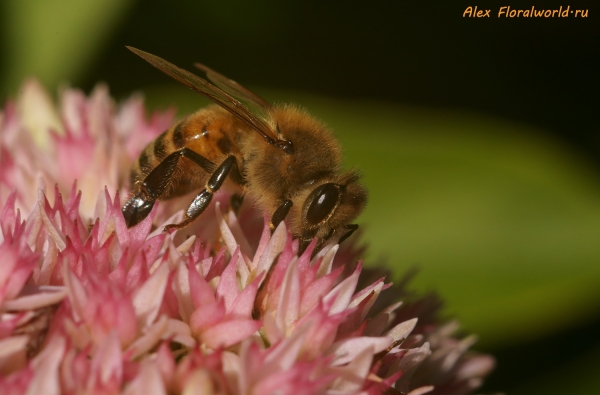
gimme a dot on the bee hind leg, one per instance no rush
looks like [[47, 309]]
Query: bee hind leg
[[139, 206], [202, 200]]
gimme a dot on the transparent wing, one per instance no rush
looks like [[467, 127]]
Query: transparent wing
[[235, 90], [255, 111]]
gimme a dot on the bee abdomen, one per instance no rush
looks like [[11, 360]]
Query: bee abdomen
[[210, 133], [152, 155]]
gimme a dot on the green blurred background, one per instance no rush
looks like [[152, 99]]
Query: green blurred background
[[478, 139]]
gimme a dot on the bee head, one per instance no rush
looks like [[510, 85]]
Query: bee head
[[330, 207]]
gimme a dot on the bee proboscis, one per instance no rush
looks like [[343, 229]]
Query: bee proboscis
[[284, 159]]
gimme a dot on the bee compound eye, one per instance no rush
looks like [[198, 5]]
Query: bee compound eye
[[325, 200]]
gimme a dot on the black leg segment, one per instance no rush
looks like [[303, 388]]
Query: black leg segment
[[155, 183], [280, 214], [351, 228], [202, 200], [235, 202], [136, 209], [217, 178]]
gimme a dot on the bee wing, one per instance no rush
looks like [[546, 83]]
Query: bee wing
[[256, 114], [235, 90]]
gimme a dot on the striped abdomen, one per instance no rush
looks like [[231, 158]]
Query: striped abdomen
[[207, 132]]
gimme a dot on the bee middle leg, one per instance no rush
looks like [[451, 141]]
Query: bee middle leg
[[235, 202], [139, 206], [202, 200]]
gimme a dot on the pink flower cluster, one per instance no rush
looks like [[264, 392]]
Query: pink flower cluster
[[89, 306]]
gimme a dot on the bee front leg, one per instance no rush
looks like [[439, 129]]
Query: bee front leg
[[155, 183], [351, 228], [280, 214], [202, 200]]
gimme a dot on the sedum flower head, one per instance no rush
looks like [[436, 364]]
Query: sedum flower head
[[88, 306]]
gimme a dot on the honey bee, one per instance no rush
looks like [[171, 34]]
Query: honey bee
[[284, 159]]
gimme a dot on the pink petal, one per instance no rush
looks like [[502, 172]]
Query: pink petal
[[373, 289], [377, 324], [198, 382], [299, 380], [351, 377], [13, 352], [316, 290], [42, 297], [229, 333], [207, 315], [150, 338], [402, 330], [181, 288], [53, 231], [9, 321], [179, 332], [232, 369], [239, 236], [289, 300], [37, 111], [346, 350], [243, 304], [200, 291], [165, 362], [228, 288], [107, 364], [48, 265], [327, 262], [273, 248], [285, 354], [478, 366], [227, 236], [342, 293], [15, 270], [77, 295], [323, 330], [46, 364], [411, 360], [147, 299], [147, 382], [186, 245], [262, 243], [421, 390]]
